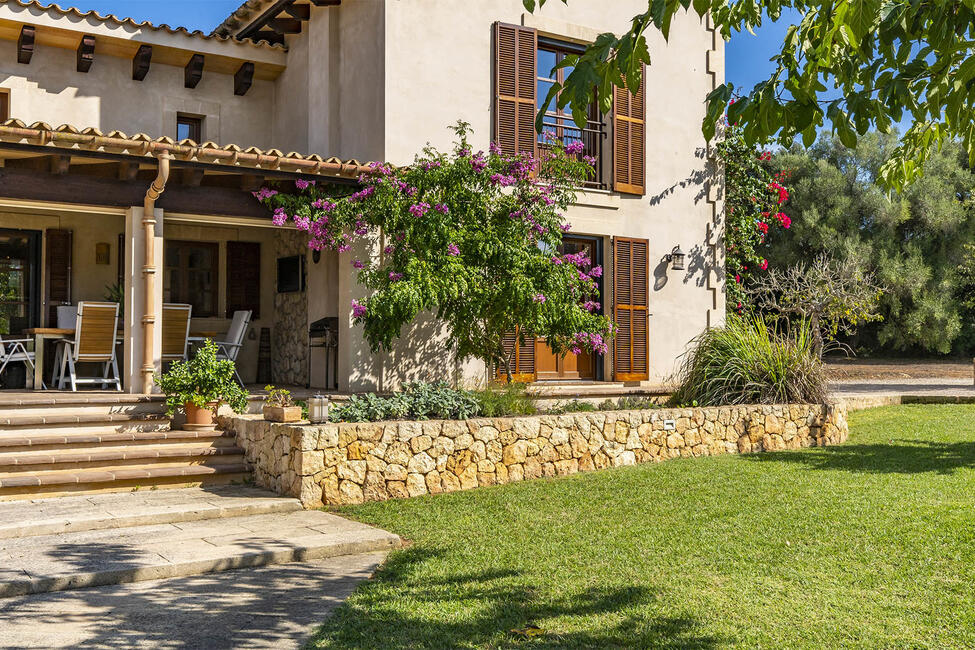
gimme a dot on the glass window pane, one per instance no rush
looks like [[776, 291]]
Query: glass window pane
[[546, 62], [542, 89]]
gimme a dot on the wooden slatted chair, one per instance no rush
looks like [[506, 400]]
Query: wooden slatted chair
[[93, 342], [175, 330]]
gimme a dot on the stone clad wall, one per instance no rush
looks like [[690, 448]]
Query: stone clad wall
[[338, 464]]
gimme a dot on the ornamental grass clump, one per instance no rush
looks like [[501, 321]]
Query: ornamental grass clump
[[747, 362]]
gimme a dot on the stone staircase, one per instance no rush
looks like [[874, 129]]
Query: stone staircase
[[53, 444]]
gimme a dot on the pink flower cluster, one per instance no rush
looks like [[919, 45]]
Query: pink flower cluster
[[575, 147], [539, 298], [264, 193], [594, 342], [419, 209], [453, 250], [302, 184], [358, 309]]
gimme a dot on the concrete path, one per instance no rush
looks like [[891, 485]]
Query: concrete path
[[880, 392], [268, 607]]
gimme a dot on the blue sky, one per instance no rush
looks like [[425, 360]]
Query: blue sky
[[746, 56]]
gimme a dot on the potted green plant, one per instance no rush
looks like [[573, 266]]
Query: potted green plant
[[199, 386], [279, 406]]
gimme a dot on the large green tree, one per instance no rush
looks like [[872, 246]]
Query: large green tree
[[854, 65], [914, 241]]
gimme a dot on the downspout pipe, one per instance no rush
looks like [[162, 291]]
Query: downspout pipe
[[149, 270]]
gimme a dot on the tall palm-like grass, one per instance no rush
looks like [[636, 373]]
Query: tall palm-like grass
[[747, 362]]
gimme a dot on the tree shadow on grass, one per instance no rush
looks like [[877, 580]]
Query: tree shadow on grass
[[498, 608], [895, 457]]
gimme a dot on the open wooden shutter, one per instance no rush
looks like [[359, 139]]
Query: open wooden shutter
[[58, 272], [629, 139], [514, 88], [243, 277], [631, 284], [523, 365]]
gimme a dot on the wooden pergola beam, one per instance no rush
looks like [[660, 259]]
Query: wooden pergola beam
[[25, 44], [285, 25], [86, 53], [141, 61]]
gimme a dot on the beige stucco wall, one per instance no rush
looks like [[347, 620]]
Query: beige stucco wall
[[50, 89]]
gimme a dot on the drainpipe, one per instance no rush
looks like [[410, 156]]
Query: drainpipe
[[149, 270]]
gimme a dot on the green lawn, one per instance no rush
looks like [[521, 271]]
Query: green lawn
[[870, 544]]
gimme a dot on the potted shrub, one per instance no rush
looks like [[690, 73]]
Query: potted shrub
[[199, 386], [279, 406]]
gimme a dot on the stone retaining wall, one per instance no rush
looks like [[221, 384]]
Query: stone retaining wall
[[338, 464]]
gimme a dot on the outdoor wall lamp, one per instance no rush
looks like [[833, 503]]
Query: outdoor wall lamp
[[676, 258]]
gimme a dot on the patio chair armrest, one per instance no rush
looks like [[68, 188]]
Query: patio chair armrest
[[222, 344]]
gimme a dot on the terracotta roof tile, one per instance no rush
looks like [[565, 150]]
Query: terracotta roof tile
[[74, 13], [67, 136]]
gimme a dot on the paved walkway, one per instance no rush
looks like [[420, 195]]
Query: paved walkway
[[268, 607], [879, 392]]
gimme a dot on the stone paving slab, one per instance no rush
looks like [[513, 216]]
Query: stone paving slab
[[269, 607], [112, 556], [23, 518], [870, 393]]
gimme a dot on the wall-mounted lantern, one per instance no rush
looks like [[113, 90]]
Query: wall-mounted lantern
[[676, 258]]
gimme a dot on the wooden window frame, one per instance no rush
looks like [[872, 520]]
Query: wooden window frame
[[195, 125], [214, 309]]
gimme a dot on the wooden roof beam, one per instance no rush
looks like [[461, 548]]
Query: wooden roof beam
[[285, 25], [86, 53], [193, 71], [298, 12], [326, 3], [25, 44], [141, 61], [243, 78]]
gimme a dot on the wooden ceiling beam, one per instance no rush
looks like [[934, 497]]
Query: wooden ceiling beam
[[25, 44], [251, 182], [269, 36], [86, 53], [193, 71], [244, 78], [127, 170], [141, 61], [191, 176], [59, 165], [326, 3]]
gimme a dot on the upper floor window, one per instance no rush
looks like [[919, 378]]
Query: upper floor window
[[558, 124], [4, 105], [189, 127]]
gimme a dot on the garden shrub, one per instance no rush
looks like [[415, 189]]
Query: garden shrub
[[417, 401], [505, 399], [747, 362]]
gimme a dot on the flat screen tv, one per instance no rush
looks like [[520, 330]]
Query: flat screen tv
[[291, 274]]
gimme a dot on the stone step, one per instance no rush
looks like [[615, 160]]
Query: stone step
[[112, 556], [33, 517], [81, 420], [104, 408], [40, 439], [118, 478], [98, 456]]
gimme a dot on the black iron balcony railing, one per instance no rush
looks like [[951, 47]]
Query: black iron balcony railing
[[560, 127]]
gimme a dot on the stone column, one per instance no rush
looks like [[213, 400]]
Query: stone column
[[134, 305]]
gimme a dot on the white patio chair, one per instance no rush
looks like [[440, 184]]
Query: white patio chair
[[175, 330], [15, 351], [93, 342], [230, 348]]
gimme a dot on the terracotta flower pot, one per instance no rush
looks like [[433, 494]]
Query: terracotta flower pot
[[200, 419], [282, 413]]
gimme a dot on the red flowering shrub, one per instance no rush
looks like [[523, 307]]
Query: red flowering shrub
[[754, 199]]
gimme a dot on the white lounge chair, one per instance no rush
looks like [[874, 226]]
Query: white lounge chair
[[15, 351], [230, 348]]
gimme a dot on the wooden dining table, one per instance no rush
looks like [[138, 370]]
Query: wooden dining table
[[40, 335]]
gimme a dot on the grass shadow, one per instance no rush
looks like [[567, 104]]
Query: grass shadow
[[496, 608], [893, 457]]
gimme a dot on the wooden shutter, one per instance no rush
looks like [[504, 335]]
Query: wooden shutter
[[58, 272], [629, 139], [514, 88], [631, 286], [243, 277], [523, 363]]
